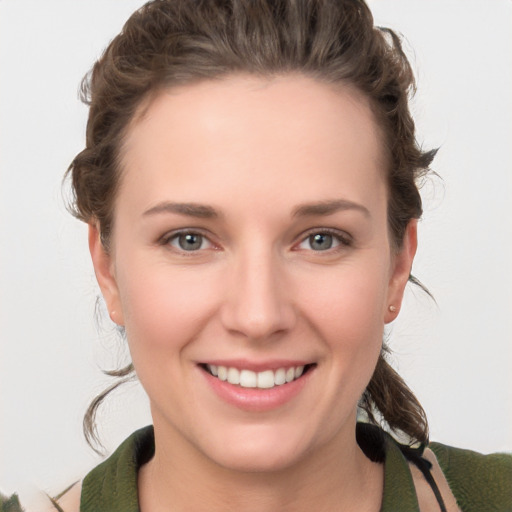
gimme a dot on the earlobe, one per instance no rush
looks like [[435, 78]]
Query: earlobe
[[103, 268], [401, 270]]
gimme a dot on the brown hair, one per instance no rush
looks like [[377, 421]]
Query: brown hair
[[170, 42]]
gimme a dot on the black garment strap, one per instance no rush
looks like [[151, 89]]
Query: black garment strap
[[371, 440], [415, 455]]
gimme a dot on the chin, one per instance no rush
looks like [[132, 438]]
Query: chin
[[261, 452], [261, 462]]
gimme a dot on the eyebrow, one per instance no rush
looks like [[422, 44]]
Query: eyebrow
[[328, 208], [190, 209], [304, 210]]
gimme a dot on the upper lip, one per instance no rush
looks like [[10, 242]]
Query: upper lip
[[257, 366]]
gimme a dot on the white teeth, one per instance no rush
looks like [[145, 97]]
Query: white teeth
[[248, 379], [266, 379], [233, 376], [280, 377], [222, 373]]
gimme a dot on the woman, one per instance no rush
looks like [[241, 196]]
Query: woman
[[249, 185]]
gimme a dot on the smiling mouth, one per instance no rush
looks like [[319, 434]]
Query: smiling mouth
[[266, 379]]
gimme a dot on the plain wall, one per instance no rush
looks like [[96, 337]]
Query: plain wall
[[455, 355]]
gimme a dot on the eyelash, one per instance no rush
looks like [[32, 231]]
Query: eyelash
[[343, 239], [167, 239]]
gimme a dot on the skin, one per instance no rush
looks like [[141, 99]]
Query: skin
[[255, 150]]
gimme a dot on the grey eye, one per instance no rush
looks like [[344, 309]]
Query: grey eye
[[190, 241], [320, 241]]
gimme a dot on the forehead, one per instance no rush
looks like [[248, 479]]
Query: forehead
[[247, 131]]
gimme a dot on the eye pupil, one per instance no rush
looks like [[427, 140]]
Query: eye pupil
[[320, 241], [190, 241]]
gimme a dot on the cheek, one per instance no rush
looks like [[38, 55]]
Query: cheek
[[346, 310], [347, 306], [164, 307]]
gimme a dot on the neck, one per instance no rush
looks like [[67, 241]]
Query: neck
[[338, 476]]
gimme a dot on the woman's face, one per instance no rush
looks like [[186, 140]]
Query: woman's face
[[250, 241]]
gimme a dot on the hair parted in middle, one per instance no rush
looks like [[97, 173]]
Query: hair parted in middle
[[169, 43]]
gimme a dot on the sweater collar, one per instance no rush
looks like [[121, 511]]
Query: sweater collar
[[112, 485]]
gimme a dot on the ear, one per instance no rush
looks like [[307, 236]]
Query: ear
[[401, 270], [104, 270]]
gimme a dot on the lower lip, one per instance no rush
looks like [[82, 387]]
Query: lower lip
[[256, 399]]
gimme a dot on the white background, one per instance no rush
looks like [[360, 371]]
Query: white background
[[456, 356]]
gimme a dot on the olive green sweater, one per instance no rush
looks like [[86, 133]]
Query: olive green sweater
[[480, 483]]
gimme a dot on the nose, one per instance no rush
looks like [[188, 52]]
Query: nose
[[257, 301]]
